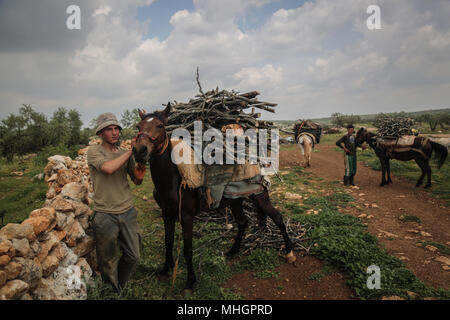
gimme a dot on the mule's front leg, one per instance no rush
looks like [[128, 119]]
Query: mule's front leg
[[388, 169], [169, 232], [383, 173], [428, 171], [187, 225]]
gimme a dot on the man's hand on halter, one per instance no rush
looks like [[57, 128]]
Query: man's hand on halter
[[133, 143], [139, 169]]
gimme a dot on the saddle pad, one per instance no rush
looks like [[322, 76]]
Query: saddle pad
[[402, 142], [191, 174], [299, 137], [197, 175]]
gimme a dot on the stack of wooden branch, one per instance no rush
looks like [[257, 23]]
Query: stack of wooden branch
[[389, 127], [260, 233], [308, 126], [217, 108]]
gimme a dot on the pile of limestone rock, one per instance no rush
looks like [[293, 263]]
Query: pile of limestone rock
[[51, 254]]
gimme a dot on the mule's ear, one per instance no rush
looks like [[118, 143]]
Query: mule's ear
[[166, 112], [142, 113]]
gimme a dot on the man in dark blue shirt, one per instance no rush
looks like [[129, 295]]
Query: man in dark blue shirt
[[349, 147]]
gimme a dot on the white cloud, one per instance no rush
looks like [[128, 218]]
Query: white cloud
[[102, 10], [259, 77], [312, 60]]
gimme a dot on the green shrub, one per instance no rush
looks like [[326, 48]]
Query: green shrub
[[262, 262], [45, 153]]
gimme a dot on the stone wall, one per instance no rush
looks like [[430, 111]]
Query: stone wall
[[51, 254]]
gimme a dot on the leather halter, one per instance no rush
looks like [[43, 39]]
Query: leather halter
[[166, 144], [152, 140]]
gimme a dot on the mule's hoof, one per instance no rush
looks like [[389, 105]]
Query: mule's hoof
[[290, 257], [427, 186], [187, 293]]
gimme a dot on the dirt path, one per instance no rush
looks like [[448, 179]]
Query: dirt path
[[384, 206]]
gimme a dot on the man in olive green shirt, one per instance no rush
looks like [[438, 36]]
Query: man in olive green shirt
[[114, 221]]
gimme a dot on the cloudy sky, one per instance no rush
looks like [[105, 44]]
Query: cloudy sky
[[311, 57]]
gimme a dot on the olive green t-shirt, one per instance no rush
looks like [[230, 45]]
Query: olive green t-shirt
[[112, 192]]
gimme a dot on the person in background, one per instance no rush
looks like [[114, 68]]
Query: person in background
[[349, 146]]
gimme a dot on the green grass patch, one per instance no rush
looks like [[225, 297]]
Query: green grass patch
[[20, 195], [262, 262], [442, 247], [295, 207], [410, 219], [325, 271], [341, 199], [331, 138]]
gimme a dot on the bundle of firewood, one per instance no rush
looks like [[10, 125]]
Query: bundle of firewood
[[261, 233], [217, 108], [390, 127], [307, 126]]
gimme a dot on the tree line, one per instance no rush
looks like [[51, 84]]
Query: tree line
[[31, 132], [433, 120]]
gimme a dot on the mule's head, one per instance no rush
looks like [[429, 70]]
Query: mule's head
[[361, 136], [152, 134]]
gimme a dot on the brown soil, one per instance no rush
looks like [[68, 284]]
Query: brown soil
[[386, 205], [383, 207], [292, 283]]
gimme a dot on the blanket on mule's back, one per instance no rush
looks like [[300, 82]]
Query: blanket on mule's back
[[198, 175], [402, 144]]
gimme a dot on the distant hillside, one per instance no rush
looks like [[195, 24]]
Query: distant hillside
[[367, 117]]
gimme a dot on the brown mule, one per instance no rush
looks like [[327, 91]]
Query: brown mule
[[420, 152], [153, 146]]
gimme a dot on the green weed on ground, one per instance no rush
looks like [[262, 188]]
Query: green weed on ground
[[343, 243], [410, 219], [262, 262], [19, 195], [441, 247], [325, 271]]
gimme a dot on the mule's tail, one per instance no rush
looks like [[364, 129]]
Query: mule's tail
[[441, 150]]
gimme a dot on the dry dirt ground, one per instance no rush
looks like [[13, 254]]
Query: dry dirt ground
[[383, 208]]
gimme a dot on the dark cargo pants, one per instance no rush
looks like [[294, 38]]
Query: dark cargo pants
[[114, 231]]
